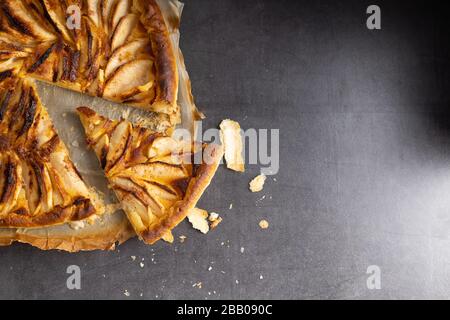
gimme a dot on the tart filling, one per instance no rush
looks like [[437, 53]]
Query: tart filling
[[39, 184], [119, 50]]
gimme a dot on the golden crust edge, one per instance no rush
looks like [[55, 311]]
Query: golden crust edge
[[165, 60], [97, 241], [195, 190]]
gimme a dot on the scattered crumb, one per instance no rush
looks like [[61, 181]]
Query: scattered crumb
[[141, 264], [230, 135], [126, 293], [261, 277], [64, 114], [242, 249], [257, 184], [237, 281], [141, 294], [214, 219], [231, 206], [198, 218], [213, 216], [222, 243], [263, 224], [215, 223], [75, 144], [182, 238], [198, 285], [210, 268], [133, 258]]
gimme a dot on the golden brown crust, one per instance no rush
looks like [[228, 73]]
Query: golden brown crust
[[104, 234], [196, 188], [39, 185], [153, 175], [166, 67]]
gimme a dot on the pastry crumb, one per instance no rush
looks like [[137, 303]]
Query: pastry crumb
[[261, 277], [126, 293], [257, 184], [133, 258], [263, 224], [141, 265], [182, 238], [231, 206], [215, 223], [230, 135], [210, 268], [198, 285], [198, 218], [112, 208], [242, 249], [213, 216]]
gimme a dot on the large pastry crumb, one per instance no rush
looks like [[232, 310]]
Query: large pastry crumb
[[257, 184], [230, 135], [198, 218], [202, 221]]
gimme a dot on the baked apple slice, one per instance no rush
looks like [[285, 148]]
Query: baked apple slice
[[39, 184]]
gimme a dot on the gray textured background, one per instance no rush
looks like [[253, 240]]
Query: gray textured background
[[365, 162]]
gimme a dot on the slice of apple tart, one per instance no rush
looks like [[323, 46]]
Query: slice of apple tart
[[116, 49], [39, 184], [154, 176]]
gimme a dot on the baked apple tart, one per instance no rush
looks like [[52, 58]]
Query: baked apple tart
[[157, 178], [119, 50], [39, 185]]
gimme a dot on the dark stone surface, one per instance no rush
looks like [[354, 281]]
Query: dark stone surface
[[365, 162]]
